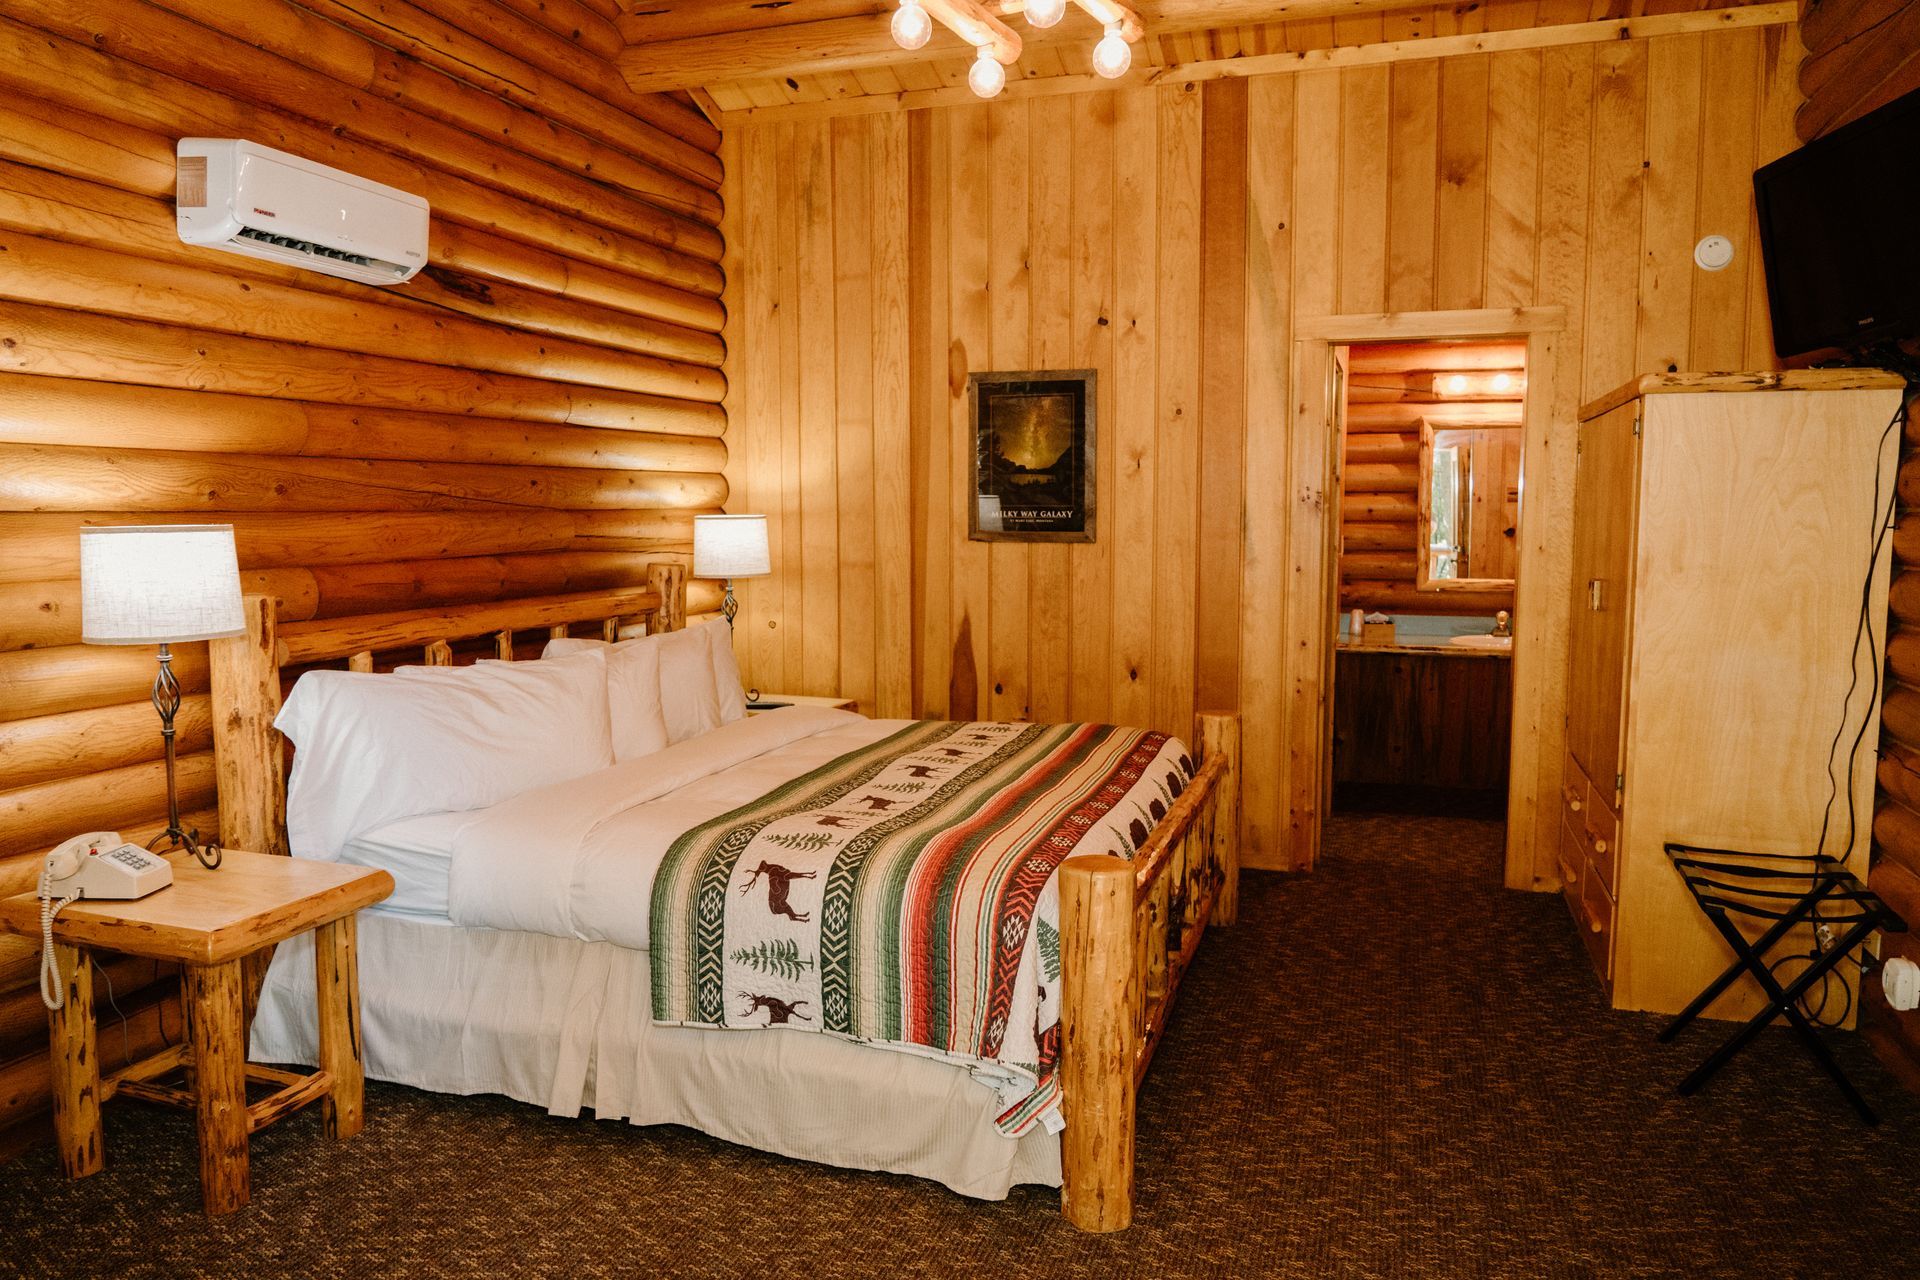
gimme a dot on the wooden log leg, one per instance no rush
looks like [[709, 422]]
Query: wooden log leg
[[76, 1068], [218, 1036], [1099, 1016], [1219, 734], [338, 974]]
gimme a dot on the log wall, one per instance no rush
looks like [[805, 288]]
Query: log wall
[[1860, 54], [536, 412], [1171, 237], [1389, 393]]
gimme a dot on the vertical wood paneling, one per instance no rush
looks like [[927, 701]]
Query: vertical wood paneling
[[854, 358], [1170, 239]]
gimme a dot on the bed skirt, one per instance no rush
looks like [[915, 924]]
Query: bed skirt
[[566, 1025]]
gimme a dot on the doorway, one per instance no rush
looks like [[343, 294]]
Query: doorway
[[1428, 549], [1539, 615]]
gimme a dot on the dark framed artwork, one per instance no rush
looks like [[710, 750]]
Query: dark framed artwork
[[1033, 459]]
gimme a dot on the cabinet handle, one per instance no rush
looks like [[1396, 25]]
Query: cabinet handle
[[1599, 846], [1573, 803], [1594, 924]]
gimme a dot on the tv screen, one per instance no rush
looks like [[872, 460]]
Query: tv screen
[[1838, 233]]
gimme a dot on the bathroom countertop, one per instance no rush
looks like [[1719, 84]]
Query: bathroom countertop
[[1429, 650]]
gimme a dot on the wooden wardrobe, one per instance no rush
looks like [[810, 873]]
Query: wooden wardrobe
[[1723, 538]]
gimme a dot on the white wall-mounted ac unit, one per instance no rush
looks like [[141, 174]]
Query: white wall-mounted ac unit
[[246, 198]]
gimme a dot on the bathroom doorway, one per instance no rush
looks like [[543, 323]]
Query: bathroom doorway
[[1456, 440]]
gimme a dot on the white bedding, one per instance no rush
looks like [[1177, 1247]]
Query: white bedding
[[577, 859], [419, 853]]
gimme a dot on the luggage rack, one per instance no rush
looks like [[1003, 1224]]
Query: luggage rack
[[1787, 889]]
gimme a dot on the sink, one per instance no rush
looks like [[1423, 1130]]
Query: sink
[[1502, 643]]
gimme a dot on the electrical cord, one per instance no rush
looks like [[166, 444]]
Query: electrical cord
[[53, 992], [1882, 528]]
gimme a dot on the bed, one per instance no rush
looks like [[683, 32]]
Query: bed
[[598, 940]]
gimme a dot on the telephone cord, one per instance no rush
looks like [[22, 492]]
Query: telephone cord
[[53, 992]]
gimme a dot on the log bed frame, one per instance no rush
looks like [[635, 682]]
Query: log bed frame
[[1129, 928]]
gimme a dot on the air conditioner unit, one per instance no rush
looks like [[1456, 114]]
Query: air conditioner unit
[[245, 198]]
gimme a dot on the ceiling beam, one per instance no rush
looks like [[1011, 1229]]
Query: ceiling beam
[[855, 41], [970, 20]]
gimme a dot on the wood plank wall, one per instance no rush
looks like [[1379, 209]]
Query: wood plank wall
[[1861, 54], [536, 412], [1170, 237], [1389, 393]]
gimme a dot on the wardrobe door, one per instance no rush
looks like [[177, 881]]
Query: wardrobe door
[[1605, 508]]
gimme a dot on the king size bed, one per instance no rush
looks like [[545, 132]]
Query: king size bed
[[943, 949]]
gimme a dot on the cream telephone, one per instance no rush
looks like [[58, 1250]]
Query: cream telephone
[[96, 865]]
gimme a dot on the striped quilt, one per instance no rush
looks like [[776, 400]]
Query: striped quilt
[[904, 894]]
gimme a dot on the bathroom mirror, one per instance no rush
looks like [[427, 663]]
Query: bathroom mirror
[[1469, 505]]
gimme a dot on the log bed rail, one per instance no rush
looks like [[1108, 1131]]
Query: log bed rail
[[1129, 928]]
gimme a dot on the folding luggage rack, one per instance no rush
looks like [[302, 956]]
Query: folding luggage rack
[[1790, 890]]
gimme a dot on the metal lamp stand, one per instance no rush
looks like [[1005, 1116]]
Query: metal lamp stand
[[166, 700]]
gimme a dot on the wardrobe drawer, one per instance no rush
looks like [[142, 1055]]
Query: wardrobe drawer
[[1573, 865], [1602, 831], [1596, 926], [1575, 794]]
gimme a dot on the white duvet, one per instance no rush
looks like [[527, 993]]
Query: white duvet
[[577, 858]]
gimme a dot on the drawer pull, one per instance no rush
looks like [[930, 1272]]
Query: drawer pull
[[1594, 925], [1573, 803], [1599, 846]]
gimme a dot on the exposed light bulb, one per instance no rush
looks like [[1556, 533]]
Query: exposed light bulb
[[986, 77], [1113, 55], [912, 28], [1457, 383], [1044, 13], [1502, 381]]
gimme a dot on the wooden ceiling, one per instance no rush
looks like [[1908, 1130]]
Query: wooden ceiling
[[759, 57]]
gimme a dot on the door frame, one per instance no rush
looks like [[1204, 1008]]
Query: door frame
[[1548, 416]]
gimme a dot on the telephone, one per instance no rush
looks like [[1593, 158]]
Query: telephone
[[95, 865]]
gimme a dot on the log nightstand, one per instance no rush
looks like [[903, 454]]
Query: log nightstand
[[209, 922]]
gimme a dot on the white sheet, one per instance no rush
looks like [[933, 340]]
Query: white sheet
[[419, 854], [565, 1025], [531, 862]]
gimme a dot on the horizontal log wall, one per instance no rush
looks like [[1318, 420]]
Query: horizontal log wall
[[1170, 237], [1390, 391], [1860, 54], [537, 412]]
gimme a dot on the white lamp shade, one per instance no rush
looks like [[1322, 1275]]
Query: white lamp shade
[[159, 584], [730, 547]]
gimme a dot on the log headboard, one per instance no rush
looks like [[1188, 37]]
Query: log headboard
[[246, 671]]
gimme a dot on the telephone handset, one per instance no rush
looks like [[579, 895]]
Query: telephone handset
[[95, 865]]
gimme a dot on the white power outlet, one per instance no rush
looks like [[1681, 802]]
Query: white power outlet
[[1900, 979]]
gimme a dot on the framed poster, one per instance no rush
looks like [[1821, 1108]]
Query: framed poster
[[1033, 459]]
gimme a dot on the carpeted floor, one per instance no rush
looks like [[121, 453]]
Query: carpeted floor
[[1391, 1068]]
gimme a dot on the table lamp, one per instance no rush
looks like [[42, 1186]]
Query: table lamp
[[730, 547], [162, 585]]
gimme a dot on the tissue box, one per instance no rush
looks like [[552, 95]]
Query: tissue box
[[1377, 633]]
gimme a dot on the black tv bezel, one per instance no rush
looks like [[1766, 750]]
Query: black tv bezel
[[1906, 322]]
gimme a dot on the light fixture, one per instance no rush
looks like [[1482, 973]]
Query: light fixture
[[730, 547], [1113, 55], [164, 585], [1457, 384], [912, 28], [986, 77], [1503, 382], [1044, 13], [1482, 384]]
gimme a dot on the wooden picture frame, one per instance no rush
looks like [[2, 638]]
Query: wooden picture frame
[[1032, 476]]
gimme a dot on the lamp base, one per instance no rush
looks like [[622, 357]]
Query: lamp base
[[166, 701], [729, 606]]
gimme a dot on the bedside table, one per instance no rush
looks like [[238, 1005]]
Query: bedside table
[[208, 922], [775, 701]]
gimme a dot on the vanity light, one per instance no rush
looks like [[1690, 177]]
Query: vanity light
[[1457, 384], [912, 28], [1113, 55], [1502, 382], [987, 77], [1044, 13]]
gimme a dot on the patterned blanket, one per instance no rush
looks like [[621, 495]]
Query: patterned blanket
[[904, 894]]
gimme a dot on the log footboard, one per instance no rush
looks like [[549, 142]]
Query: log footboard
[[1128, 932]]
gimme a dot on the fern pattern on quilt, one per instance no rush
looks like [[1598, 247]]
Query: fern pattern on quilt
[[904, 894]]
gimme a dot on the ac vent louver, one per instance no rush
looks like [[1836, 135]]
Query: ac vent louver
[[310, 249]]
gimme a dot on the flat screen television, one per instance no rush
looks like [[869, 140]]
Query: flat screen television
[[1840, 234]]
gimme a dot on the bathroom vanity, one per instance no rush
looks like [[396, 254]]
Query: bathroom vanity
[[1437, 716]]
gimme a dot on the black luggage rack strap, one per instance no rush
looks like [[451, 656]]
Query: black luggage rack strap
[[1788, 889]]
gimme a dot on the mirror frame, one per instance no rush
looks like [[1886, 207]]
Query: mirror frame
[[1423, 530]]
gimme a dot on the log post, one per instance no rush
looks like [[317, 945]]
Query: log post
[[439, 653], [219, 1039], [1100, 1000], [246, 746], [670, 580], [338, 977], [1218, 733], [361, 661], [75, 1067], [503, 645]]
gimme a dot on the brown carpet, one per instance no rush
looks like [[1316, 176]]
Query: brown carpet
[[1391, 1068]]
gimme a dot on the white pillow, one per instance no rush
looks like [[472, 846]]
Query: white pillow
[[633, 690], [373, 749], [727, 689]]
